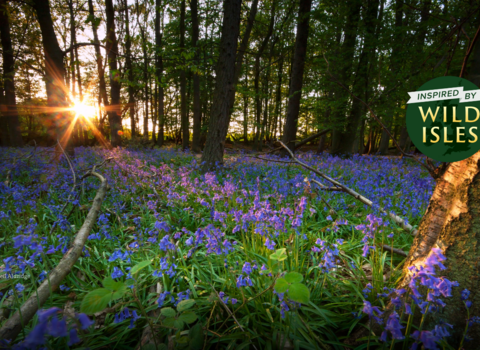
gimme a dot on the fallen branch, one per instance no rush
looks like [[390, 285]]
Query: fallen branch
[[303, 142], [311, 138], [13, 326], [395, 250], [397, 219]]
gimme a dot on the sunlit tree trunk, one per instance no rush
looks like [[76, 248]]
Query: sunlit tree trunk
[[452, 223], [10, 113], [58, 121]]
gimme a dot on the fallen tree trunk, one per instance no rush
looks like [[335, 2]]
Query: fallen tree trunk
[[14, 324]]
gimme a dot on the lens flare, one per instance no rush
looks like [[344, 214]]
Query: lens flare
[[83, 109]]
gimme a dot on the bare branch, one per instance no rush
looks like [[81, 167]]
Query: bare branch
[[13, 326], [397, 219]]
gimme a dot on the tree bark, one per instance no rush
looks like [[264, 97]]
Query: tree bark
[[129, 67], [360, 85], [159, 72], [296, 77], [451, 223], [343, 69], [197, 113], [183, 82], [258, 97], [225, 85], [101, 72], [114, 113], [10, 114], [58, 121]]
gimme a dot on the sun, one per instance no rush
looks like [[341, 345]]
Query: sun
[[83, 109]]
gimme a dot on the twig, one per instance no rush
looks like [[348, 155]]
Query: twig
[[395, 250], [469, 51], [230, 313], [12, 326], [354, 194], [74, 177]]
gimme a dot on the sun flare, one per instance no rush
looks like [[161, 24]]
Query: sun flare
[[83, 109]]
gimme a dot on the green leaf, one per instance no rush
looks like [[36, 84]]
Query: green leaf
[[299, 293], [196, 336], [119, 288], [281, 285], [185, 305], [168, 312], [140, 266], [188, 317], [120, 292], [178, 324], [293, 277], [168, 321], [279, 255], [96, 301], [111, 284]]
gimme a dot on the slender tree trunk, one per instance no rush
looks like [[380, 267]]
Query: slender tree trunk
[[197, 113], [296, 78], [225, 85], [159, 72], [114, 113], [129, 68], [347, 138], [11, 113], [3, 120], [101, 72], [343, 67], [278, 96], [241, 53], [183, 82]]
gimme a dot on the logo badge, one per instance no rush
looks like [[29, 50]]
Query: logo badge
[[443, 119]]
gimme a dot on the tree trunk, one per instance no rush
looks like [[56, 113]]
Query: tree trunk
[[10, 114], [129, 68], [159, 72], [183, 82], [296, 77], [101, 72], [3, 120], [114, 113], [346, 142], [241, 53], [224, 86], [197, 113], [58, 122], [451, 223]]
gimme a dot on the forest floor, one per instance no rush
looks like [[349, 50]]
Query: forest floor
[[166, 234]]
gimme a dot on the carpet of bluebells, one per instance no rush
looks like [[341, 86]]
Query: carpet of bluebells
[[223, 240]]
